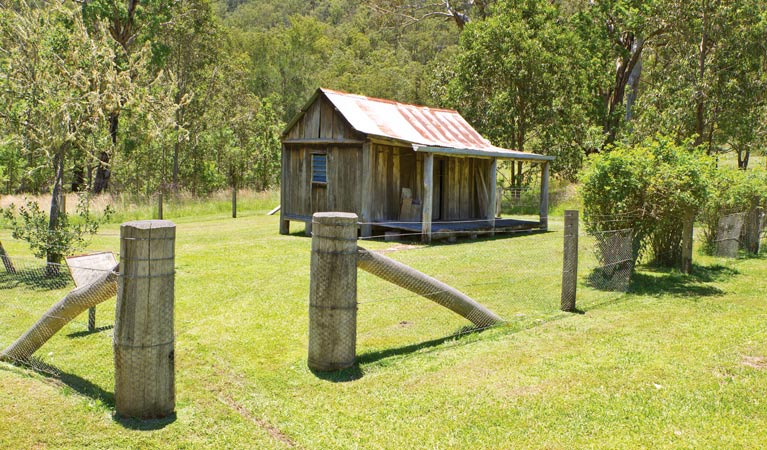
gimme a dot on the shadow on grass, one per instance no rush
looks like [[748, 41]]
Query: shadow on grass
[[88, 389], [79, 334], [146, 424], [657, 281], [35, 279], [356, 371], [372, 357], [340, 376]]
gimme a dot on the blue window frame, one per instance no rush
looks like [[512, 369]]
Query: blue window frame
[[319, 168]]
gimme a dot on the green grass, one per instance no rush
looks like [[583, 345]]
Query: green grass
[[679, 362]]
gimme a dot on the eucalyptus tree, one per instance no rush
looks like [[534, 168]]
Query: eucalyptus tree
[[706, 80], [58, 85], [522, 79]]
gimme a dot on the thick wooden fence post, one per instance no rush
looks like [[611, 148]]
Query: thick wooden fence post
[[687, 241], [143, 334], [333, 292], [570, 261], [753, 230]]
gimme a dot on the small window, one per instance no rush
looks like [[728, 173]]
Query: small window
[[319, 168]]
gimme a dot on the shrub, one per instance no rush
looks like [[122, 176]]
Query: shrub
[[652, 187], [53, 241], [732, 191]]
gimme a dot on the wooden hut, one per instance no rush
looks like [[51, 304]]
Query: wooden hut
[[397, 166]]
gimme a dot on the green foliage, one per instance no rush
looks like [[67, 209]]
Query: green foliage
[[705, 79], [731, 191], [522, 79], [54, 240], [652, 188]]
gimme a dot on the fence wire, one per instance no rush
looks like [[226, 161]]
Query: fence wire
[[515, 274], [614, 255], [42, 308], [728, 236]]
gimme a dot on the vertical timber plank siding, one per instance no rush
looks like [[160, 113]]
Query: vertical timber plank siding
[[332, 175], [439, 196], [418, 183], [465, 186], [327, 118], [285, 190], [454, 196], [339, 126], [394, 183], [366, 200], [407, 171], [379, 189], [304, 182], [345, 180], [311, 122]]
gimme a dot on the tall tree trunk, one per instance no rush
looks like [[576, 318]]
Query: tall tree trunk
[[53, 258], [624, 70], [633, 81], [743, 157], [101, 183], [700, 103]]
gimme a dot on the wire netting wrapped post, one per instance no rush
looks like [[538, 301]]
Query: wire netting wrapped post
[[73, 304], [143, 334], [333, 292], [687, 241], [753, 230], [570, 261], [422, 284], [7, 261], [728, 235]]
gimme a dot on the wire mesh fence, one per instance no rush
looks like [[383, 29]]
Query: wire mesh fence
[[39, 300], [729, 231], [613, 251], [516, 275]]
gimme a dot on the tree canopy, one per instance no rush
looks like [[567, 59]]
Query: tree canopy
[[142, 96]]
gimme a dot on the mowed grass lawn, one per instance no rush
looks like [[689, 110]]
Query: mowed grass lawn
[[679, 362]]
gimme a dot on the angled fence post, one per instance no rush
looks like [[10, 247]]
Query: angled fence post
[[7, 263], [333, 292], [570, 261]]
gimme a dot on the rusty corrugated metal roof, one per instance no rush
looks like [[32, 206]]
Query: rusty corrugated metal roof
[[415, 124], [432, 130]]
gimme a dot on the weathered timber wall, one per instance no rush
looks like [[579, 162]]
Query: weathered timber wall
[[460, 185], [342, 192]]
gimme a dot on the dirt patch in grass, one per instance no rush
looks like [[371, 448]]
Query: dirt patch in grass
[[273, 431], [755, 362], [401, 247]]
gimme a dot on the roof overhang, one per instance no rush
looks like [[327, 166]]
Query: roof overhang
[[493, 152]]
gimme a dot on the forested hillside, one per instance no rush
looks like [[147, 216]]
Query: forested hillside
[[139, 96]]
